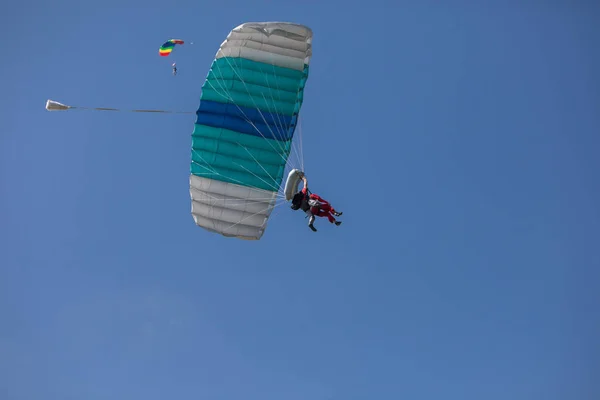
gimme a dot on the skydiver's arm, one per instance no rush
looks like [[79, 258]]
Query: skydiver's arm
[[305, 182]]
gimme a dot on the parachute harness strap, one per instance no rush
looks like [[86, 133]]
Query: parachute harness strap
[[308, 193]]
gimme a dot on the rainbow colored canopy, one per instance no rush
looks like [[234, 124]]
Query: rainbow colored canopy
[[168, 46]]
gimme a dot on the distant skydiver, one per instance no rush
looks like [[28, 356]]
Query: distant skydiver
[[174, 69], [314, 205]]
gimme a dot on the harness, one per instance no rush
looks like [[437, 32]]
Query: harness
[[303, 201]]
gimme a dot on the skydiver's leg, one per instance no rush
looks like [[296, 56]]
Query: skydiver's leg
[[330, 217], [310, 223], [325, 205], [324, 213], [329, 208]]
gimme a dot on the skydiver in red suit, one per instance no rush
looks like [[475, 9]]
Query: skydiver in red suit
[[314, 205]]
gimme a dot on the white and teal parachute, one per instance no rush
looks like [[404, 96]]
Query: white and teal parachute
[[245, 125]]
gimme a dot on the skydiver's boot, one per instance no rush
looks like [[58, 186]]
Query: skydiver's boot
[[338, 223], [311, 221], [337, 214]]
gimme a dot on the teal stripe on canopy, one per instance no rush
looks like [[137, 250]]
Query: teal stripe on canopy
[[237, 157]]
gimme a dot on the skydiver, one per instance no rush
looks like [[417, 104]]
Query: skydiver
[[174, 69], [314, 205]]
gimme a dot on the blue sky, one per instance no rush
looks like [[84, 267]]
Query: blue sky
[[460, 140]]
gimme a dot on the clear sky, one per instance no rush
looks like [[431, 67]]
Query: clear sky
[[460, 141]]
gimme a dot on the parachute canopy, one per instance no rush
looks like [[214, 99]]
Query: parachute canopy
[[245, 124], [168, 47], [52, 105]]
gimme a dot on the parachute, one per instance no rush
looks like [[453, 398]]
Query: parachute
[[168, 47], [52, 105], [245, 124]]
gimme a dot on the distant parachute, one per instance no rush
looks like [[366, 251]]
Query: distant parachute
[[52, 105], [168, 47], [245, 124]]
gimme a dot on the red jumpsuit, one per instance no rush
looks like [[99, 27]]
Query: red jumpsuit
[[324, 209]]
